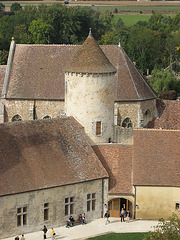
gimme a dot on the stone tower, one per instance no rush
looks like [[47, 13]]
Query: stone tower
[[89, 91]]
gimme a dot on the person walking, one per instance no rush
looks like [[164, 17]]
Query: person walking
[[45, 231], [122, 214], [17, 238], [107, 215], [52, 234]]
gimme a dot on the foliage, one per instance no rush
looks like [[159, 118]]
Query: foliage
[[40, 31], [2, 7], [145, 47], [121, 236], [15, 7], [166, 229], [162, 81], [3, 57]]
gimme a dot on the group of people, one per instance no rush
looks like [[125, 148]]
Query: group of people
[[22, 237], [53, 234], [82, 219], [123, 214]]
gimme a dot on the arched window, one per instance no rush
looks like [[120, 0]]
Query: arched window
[[127, 123], [16, 118], [47, 117], [147, 113]]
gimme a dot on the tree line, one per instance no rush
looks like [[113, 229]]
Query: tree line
[[153, 45]]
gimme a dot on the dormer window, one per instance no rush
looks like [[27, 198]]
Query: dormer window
[[98, 128]]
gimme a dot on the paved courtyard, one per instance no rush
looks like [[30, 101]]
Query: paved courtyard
[[94, 228]]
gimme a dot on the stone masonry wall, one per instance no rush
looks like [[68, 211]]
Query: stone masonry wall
[[25, 108], [35, 201], [136, 112]]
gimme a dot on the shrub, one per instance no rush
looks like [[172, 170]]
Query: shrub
[[166, 229]]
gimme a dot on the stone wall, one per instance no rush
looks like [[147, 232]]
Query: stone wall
[[49, 108], [33, 109], [35, 201], [138, 112], [90, 99], [156, 202]]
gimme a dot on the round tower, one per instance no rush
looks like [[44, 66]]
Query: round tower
[[89, 91]]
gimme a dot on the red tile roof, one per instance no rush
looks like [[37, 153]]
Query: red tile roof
[[38, 73], [156, 158], [117, 160], [45, 153], [169, 115]]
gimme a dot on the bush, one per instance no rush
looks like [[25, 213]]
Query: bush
[[166, 229]]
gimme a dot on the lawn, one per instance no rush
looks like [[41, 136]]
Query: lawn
[[121, 236], [130, 20]]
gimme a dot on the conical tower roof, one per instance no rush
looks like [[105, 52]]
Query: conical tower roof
[[90, 59]]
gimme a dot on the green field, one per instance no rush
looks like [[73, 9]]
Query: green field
[[130, 20], [121, 236], [145, 9]]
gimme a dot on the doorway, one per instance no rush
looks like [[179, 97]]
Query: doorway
[[115, 205]]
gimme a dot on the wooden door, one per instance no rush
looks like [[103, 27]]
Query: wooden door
[[114, 207]]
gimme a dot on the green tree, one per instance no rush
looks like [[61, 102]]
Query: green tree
[[162, 81], [145, 47], [21, 34], [2, 7], [39, 31], [3, 57], [166, 230], [15, 7]]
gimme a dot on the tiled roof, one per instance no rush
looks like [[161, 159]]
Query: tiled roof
[[117, 160], [2, 76], [169, 115], [45, 153], [38, 73], [90, 59], [156, 158]]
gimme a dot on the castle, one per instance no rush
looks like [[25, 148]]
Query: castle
[[61, 108]]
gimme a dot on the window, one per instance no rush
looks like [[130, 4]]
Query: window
[[127, 123], [91, 202], [69, 206], [16, 118], [22, 216], [98, 128], [177, 206], [46, 211]]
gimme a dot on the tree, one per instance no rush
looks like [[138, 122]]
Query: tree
[[40, 31], [15, 7], [162, 81], [166, 229], [3, 57], [145, 47], [2, 7]]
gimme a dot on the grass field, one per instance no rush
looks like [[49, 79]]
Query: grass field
[[123, 7], [130, 20], [144, 8], [121, 236]]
